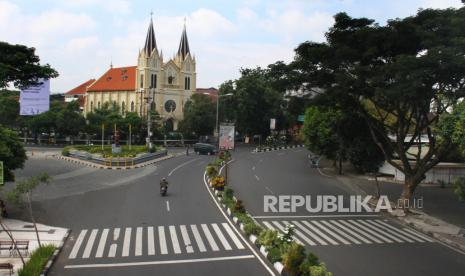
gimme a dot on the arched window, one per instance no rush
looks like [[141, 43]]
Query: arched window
[[152, 106], [187, 83], [98, 105], [91, 106], [132, 106], [141, 80], [153, 81], [123, 108]]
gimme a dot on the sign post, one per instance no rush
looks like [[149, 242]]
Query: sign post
[[226, 137]]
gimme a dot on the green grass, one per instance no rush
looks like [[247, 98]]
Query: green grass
[[106, 152], [37, 261]]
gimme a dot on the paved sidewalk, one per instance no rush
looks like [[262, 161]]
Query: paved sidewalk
[[22, 230]]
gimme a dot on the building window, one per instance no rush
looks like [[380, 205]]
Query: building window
[[98, 105], [91, 106], [132, 106], [152, 106], [141, 80], [123, 108], [187, 83], [170, 106], [153, 81]]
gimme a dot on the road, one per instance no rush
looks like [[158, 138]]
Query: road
[[349, 244], [122, 226]]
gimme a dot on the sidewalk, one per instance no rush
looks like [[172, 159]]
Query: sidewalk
[[442, 215], [22, 230]]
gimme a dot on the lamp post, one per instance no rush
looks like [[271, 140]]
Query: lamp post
[[217, 111]]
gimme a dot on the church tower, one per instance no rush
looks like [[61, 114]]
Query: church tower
[[149, 67], [186, 62]]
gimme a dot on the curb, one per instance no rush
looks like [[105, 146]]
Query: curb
[[276, 148], [252, 238], [52, 258], [97, 166]]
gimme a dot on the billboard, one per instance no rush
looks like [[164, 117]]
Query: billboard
[[227, 137], [34, 100]]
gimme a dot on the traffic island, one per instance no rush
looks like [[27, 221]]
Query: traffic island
[[105, 158], [287, 256], [274, 148]]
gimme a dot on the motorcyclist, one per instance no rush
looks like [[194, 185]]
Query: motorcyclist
[[163, 183]]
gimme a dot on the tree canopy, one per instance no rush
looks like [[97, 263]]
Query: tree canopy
[[20, 65], [199, 116], [400, 78]]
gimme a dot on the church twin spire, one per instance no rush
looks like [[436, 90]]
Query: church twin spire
[[151, 43]]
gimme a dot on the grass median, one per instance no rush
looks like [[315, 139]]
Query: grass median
[[37, 262]]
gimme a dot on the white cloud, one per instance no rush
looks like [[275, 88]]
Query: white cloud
[[58, 22], [81, 43], [442, 4], [114, 6]]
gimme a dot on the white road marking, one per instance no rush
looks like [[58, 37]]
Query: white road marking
[[253, 168], [269, 226], [126, 242], [150, 241], [364, 228], [360, 231], [90, 243], [308, 232], [388, 230], [168, 205], [334, 235], [301, 235], [162, 239], [186, 239], [182, 165], [240, 257], [197, 238], [174, 240], [418, 235], [78, 244], [101, 244], [379, 231], [340, 232], [316, 216], [210, 238], [269, 190], [256, 177], [114, 246], [351, 231], [400, 231], [138, 249], [233, 236], [323, 235], [220, 235]]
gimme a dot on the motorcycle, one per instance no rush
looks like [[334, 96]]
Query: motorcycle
[[163, 190]]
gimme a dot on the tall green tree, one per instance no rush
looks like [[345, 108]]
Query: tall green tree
[[69, 120], [12, 152], [401, 78], [20, 65], [199, 116]]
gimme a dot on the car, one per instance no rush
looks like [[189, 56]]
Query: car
[[203, 148]]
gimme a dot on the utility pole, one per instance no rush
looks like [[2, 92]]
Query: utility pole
[[149, 103], [103, 134]]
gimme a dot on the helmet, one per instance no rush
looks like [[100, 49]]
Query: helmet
[[164, 179]]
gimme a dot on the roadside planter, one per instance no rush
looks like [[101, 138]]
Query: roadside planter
[[279, 249]]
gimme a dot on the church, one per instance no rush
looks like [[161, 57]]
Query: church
[[152, 84]]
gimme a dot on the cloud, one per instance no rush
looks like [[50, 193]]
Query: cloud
[[81, 43], [443, 4]]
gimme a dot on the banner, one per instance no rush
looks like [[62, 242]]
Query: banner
[[35, 99], [227, 137], [272, 124]]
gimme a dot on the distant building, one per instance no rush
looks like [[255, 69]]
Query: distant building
[[211, 92], [78, 93], [152, 84]]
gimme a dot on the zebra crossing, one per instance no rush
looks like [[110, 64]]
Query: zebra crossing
[[346, 232], [151, 240]]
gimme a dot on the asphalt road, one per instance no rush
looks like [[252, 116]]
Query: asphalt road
[[122, 226], [349, 243]]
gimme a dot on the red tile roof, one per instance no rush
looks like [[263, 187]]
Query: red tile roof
[[211, 92], [116, 79], [81, 89]]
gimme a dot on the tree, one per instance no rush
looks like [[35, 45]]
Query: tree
[[12, 152], [69, 121], [199, 116], [25, 187], [20, 66], [400, 78], [9, 109]]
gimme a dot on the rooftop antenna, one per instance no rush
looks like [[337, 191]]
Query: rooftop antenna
[[111, 62]]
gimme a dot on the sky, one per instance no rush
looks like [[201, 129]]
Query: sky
[[81, 38]]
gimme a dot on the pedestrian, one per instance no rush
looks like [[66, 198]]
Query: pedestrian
[[187, 149]]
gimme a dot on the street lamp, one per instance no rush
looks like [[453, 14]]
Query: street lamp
[[217, 110]]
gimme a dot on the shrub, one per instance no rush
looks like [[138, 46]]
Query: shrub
[[310, 260], [37, 261], [319, 270], [228, 193], [218, 183], [212, 171], [293, 258], [269, 239], [459, 188], [274, 255], [239, 207], [252, 229], [287, 236], [65, 151]]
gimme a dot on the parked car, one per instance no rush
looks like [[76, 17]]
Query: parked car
[[202, 148]]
